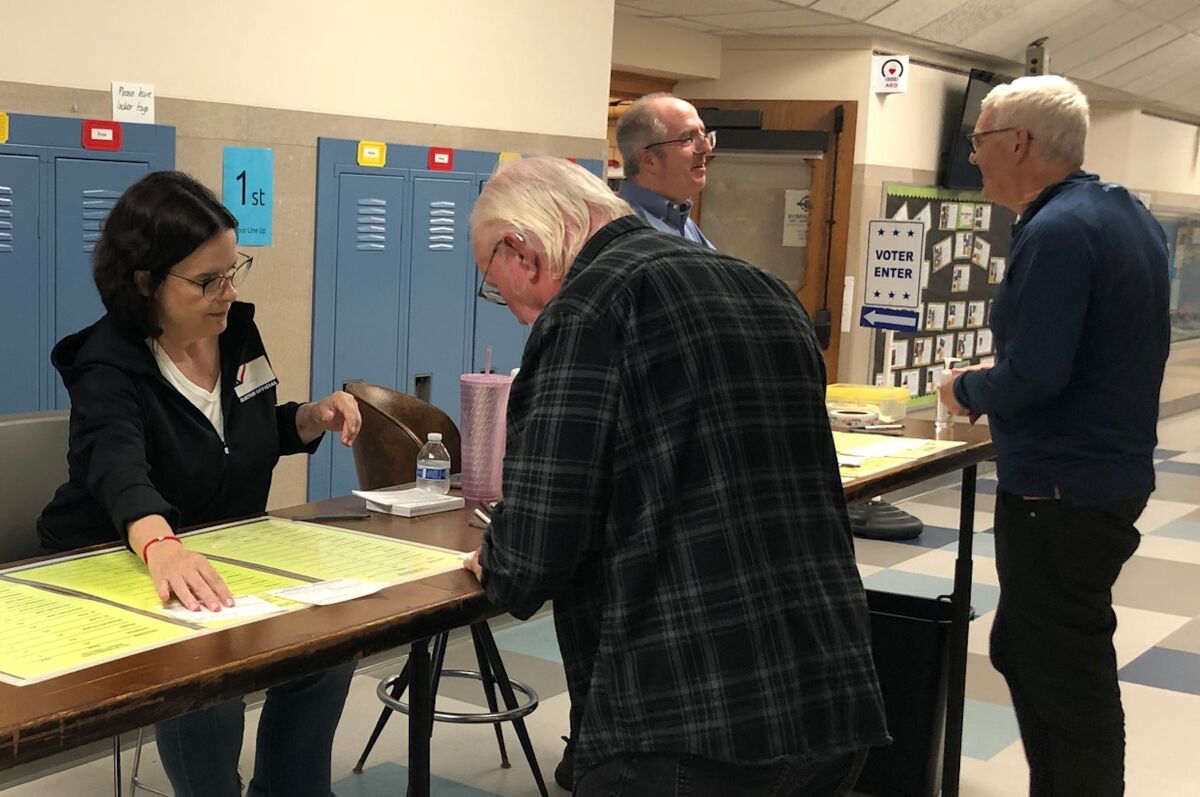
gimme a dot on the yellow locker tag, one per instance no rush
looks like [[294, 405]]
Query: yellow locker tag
[[372, 153], [3, 127]]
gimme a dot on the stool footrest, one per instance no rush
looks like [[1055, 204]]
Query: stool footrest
[[508, 715]]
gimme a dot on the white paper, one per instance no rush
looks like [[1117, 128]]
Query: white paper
[[412, 498], [324, 593], [886, 448], [132, 102], [796, 206], [244, 607], [847, 302]]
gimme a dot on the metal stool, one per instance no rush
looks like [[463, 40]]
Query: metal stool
[[134, 782], [492, 674]]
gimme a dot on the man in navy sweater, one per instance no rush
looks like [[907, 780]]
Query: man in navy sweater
[[1082, 336]]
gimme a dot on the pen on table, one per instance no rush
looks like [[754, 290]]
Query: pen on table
[[335, 516], [484, 516]]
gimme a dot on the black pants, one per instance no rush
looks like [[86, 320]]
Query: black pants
[[669, 775], [1052, 638]]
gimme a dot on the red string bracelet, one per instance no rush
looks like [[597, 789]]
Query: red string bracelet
[[146, 547]]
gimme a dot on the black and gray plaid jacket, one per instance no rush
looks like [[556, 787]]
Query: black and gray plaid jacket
[[671, 484]]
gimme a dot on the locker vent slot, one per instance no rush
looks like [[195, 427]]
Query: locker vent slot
[[6, 215], [442, 226], [97, 202], [372, 230]]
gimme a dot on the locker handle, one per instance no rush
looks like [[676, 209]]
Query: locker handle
[[423, 387]]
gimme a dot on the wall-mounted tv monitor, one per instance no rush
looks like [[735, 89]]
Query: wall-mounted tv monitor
[[956, 170]]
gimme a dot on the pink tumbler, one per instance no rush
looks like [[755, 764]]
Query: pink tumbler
[[484, 403]]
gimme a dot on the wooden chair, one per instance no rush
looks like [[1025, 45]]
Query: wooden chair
[[394, 428], [385, 454]]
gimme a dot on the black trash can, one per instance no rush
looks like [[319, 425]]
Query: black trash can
[[911, 640]]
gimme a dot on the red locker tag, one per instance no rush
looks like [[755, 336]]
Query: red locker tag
[[441, 159], [101, 135]]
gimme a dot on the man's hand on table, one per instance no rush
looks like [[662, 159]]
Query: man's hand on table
[[471, 562]]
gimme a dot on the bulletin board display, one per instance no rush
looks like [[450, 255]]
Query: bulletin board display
[[967, 241]]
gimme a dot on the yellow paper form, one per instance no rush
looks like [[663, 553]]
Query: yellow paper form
[[42, 633], [883, 452], [119, 576], [324, 552]]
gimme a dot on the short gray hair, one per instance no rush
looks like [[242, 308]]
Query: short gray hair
[[1051, 108], [550, 200], [638, 127]]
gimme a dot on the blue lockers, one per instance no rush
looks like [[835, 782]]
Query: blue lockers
[[394, 285], [54, 196]]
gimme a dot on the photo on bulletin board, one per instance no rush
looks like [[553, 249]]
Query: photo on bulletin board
[[964, 345], [967, 232], [900, 354], [912, 381], [981, 252], [966, 216], [961, 280], [975, 313], [935, 317], [922, 353], [930, 383], [995, 271], [983, 341], [983, 217], [943, 350], [948, 216], [942, 253], [964, 245], [956, 315]]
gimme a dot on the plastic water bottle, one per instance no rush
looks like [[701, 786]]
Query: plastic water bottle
[[433, 465]]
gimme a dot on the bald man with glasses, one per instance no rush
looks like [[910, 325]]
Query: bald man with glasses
[[666, 151]]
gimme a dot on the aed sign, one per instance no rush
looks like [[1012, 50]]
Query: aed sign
[[893, 276], [889, 74], [247, 185]]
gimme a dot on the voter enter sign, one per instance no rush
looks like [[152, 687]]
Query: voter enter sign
[[893, 276]]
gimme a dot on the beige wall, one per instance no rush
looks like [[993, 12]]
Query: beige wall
[[530, 65], [281, 286], [650, 48]]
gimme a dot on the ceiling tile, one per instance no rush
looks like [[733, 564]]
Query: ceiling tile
[[1168, 10], [1072, 27], [1008, 37], [851, 9], [766, 20], [848, 30], [1095, 45], [1155, 68], [969, 18], [798, 2], [1173, 90], [692, 8], [1126, 53], [907, 16], [685, 22], [1189, 20]]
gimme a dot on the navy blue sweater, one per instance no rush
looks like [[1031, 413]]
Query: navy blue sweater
[[1082, 334]]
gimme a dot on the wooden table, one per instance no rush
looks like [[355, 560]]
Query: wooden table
[[128, 693], [122, 695], [966, 458]]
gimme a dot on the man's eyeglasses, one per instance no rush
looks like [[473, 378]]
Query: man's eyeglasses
[[489, 293], [975, 137], [212, 287], [697, 139]]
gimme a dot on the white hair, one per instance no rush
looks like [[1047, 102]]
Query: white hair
[[638, 127], [550, 200], [1050, 107]]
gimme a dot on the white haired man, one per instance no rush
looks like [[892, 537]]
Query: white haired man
[[670, 483], [1082, 334], [665, 150]]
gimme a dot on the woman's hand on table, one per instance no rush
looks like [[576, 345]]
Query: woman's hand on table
[[188, 575]]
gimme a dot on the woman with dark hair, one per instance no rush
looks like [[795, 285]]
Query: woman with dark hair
[[174, 423]]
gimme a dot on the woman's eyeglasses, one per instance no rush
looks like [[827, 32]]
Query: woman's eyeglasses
[[212, 287]]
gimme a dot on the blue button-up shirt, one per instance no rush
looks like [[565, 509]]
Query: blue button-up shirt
[[661, 213]]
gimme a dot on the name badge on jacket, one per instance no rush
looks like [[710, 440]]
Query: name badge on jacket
[[253, 378]]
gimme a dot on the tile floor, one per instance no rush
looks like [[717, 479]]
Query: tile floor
[[1158, 646]]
